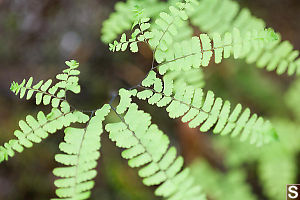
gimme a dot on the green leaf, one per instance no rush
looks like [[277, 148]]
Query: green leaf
[[134, 47], [187, 103], [147, 147], [80, 153]]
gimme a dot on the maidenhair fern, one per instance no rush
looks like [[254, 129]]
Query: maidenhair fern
[[146, 145], [175, 81]]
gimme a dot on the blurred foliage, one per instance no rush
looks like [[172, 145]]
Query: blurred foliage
[[275, 165], [218, 184], [37, 36]]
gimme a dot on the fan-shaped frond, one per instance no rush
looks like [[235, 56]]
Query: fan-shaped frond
[[229, 185], [44, 92], [206, 112], [221, 16], [81, 152], [35, 130], [148, 147], [198, 51]]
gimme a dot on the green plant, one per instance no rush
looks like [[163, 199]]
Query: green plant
[[145, 146], [212, 16]]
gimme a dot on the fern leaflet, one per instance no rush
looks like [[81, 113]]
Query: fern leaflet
[[221, 16], [56, 94], [81, 149], [35, 130], [148, 147], [168, 25], [125, 15], [198, 51], [140, 34], [189, 103]]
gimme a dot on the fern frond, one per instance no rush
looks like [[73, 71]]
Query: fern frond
[[221, 16], [81, 152], [140, 34], [41, 90], [45, 93], [125, 16], [148, 147], [206, 112], [163, 31], [35, 130], [69, 78], [198, 51], [229, 185], [168, 27]]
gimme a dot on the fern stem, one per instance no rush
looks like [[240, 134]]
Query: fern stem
[[164, 63], [78, 155], [41, 126], [46, 93], [192, 54], [159, 42]]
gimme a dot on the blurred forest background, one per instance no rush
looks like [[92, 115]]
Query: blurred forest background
[[37, 36]]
